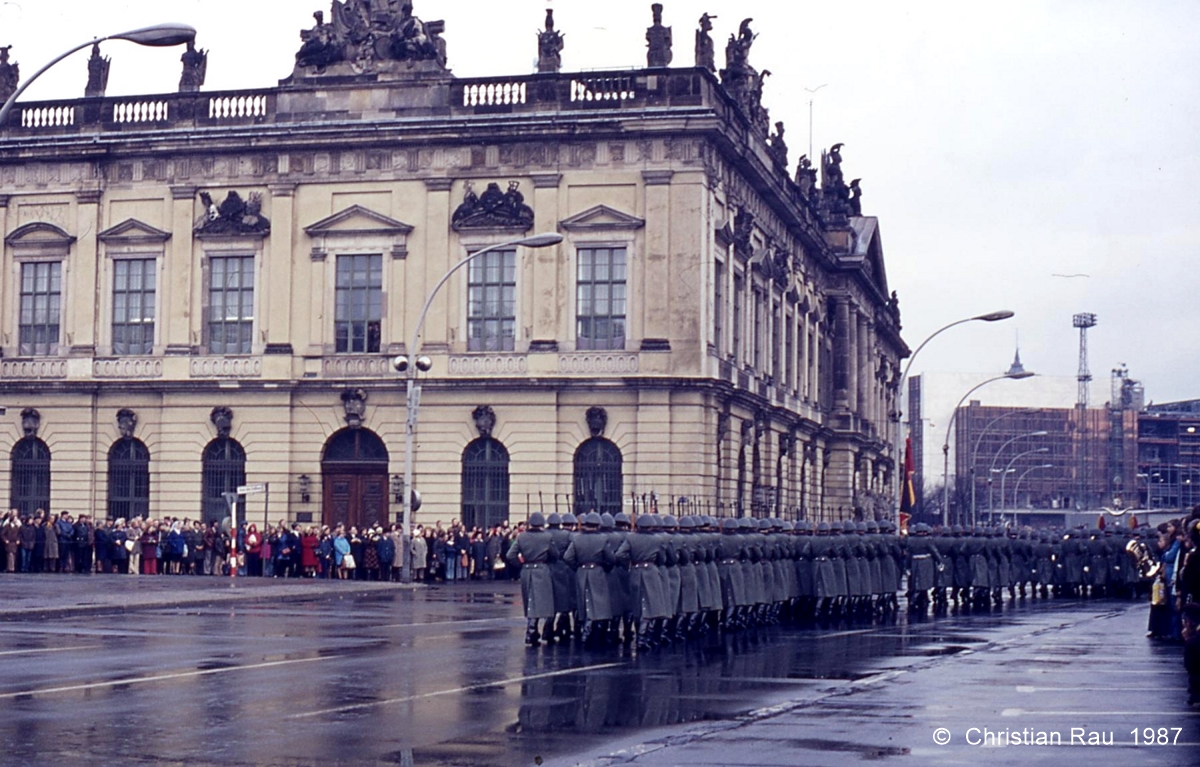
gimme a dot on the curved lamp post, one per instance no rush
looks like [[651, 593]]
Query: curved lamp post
[[1004, 476], [1003, 314], [1013, 376], [157, 36], [979, 441], [996, 457], [1017, 486], [413, 362]]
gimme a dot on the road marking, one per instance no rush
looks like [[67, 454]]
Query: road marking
[[1009, 712], [1026, 688], [49, 649], [476, 622], [455, 691], [159, 677]]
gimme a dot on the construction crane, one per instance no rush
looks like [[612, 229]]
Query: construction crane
[[1083, 321]]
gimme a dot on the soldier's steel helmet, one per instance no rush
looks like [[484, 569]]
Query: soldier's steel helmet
[[730, 525], [592, 519], [569, 519], [607, 522], [555, 519], [537, 519]]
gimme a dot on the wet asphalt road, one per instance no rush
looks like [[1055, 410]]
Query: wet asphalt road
[[295, 674]]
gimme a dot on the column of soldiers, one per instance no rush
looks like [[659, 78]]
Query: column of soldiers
[[606, 579]]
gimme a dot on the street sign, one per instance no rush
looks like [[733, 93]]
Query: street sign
[[248, 489]]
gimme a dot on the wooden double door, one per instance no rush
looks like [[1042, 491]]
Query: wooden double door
[[358, 499]]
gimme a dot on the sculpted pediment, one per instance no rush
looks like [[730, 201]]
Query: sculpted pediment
[[39, 233], [358, 226], [601, 218], [132, 230], [358, 220]]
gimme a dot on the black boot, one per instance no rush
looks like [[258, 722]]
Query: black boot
[[531, 633]]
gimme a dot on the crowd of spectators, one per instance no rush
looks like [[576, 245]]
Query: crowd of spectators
[[45, 543], [1175, 597]]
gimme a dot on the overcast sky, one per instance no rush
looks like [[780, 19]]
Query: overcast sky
[[1000, 144]]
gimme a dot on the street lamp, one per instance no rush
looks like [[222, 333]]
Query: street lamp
[[979, 441], [1017, 487], [157, 36], [996, 457], [1004, 476], [412, 363], [1014, 375], [900, 401]]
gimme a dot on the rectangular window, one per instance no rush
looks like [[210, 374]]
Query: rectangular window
[[758, 308], [719, 308], [41, 307], [359, 311], [600, 299], [231, 305], [491, 302], [739, 289], [777, 344], [133, 306], [789, 354]]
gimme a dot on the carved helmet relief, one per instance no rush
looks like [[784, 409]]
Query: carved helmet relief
[[31, 421], [126, 422], [222, 418], [485, 420], [597, 420], [354, 403]]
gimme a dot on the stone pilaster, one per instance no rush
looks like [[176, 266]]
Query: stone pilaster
[[180, 316]]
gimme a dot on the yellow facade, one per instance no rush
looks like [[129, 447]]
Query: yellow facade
[[797, 420]]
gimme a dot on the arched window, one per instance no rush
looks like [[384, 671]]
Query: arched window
[[598, 476], [30, 476], [128, 480], [224, 470], [484, 484]]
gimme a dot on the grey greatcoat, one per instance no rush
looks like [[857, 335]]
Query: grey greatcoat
[[708, 578], [534, 550], [827, 583], [889, 566], [729, 569], [805, 580], [590, 554], [689, 575], [924, 559], [648, 593], [618, 576], [564, 579], [976, 547]]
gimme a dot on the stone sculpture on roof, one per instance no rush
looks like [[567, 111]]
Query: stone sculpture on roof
[[658, 40], [706, 54], [370, 37], [743, 82], [550, 45], [195, 67], [10, 74], [97, 82]]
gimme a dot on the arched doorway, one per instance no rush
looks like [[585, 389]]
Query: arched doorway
[[598, 476], [30, 476], [484, 484], [128, 479], [224, 470], [354, 474]]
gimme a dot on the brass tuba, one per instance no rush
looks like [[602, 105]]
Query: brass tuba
[[1147, 566]]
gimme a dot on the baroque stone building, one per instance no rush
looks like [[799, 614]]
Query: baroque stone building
[[205, 289]]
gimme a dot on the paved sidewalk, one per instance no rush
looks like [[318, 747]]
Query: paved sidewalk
[[1075, 672], [47, 594]]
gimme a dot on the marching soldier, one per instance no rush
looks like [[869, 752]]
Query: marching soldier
[[564, 579], [924, 559], [591, 555], [729, 567], [648, 593], [534, 551], [618, 577]]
